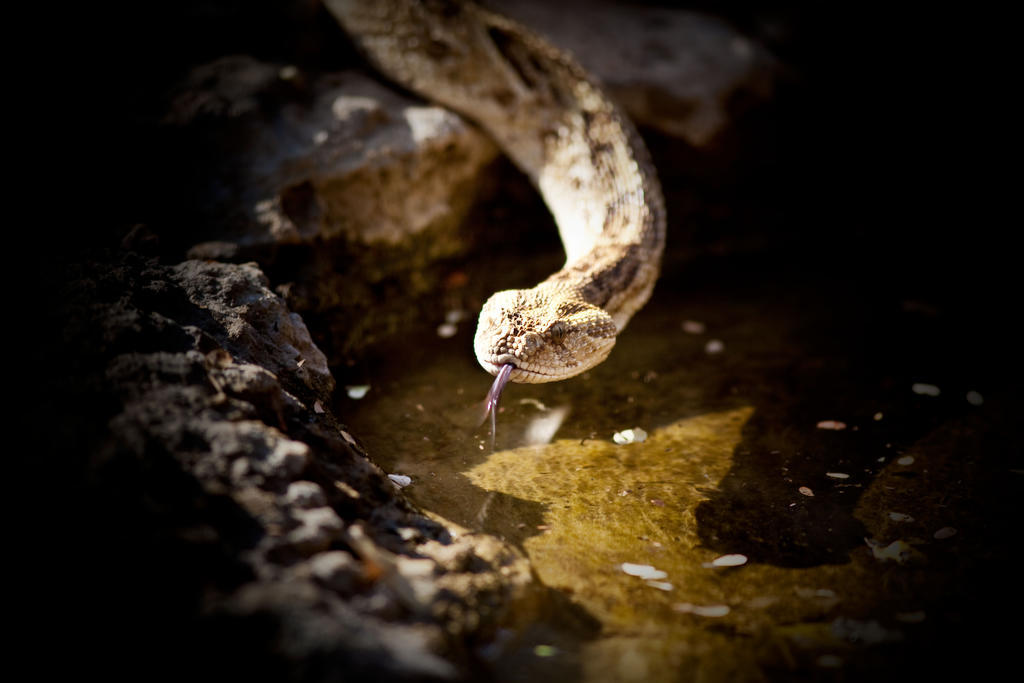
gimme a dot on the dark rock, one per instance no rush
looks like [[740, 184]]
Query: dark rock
[[231, 510], [676, 70], [329, 156]]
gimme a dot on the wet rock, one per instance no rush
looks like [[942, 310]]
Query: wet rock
[[732, 560], [678, 71]]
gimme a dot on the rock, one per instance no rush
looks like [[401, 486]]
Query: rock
[[337, 569], [209, 470], [677, 71], [317, 528], [323, 157], [367, 188], [328, 635], [253, 322], [305, 494]]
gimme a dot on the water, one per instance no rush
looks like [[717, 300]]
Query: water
[[733, 463]]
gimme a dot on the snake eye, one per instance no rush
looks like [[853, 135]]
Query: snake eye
[[557, 332]]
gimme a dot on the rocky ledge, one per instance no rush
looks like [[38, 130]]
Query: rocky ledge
[[219, 509]]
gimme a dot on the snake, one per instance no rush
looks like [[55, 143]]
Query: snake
[[559, 127]]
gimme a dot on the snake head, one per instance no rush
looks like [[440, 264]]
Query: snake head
[[547, 334]]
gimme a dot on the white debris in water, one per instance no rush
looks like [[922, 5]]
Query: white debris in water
[[925, 389], [455, 316], [714, 346], [733, 560], [974, 398], [837, 475], [900, 552], [900, 517], [660, 585], [635, 435], [701, 610], [944, 532], [401, 480], [832, 424], [693, 327], [357, 391], [450, 326], [905, 460], [644, 571], [806, 491]]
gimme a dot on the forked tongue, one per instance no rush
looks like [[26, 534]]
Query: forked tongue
[[491, 402]]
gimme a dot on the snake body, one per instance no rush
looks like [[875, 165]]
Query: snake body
[[584, 156]]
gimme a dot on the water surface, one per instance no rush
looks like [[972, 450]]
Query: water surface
[[739, 459]]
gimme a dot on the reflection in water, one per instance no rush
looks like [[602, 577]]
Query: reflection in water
[[541, 429], [606, 505]]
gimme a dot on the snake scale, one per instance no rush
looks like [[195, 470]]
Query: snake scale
[[584, 156]]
